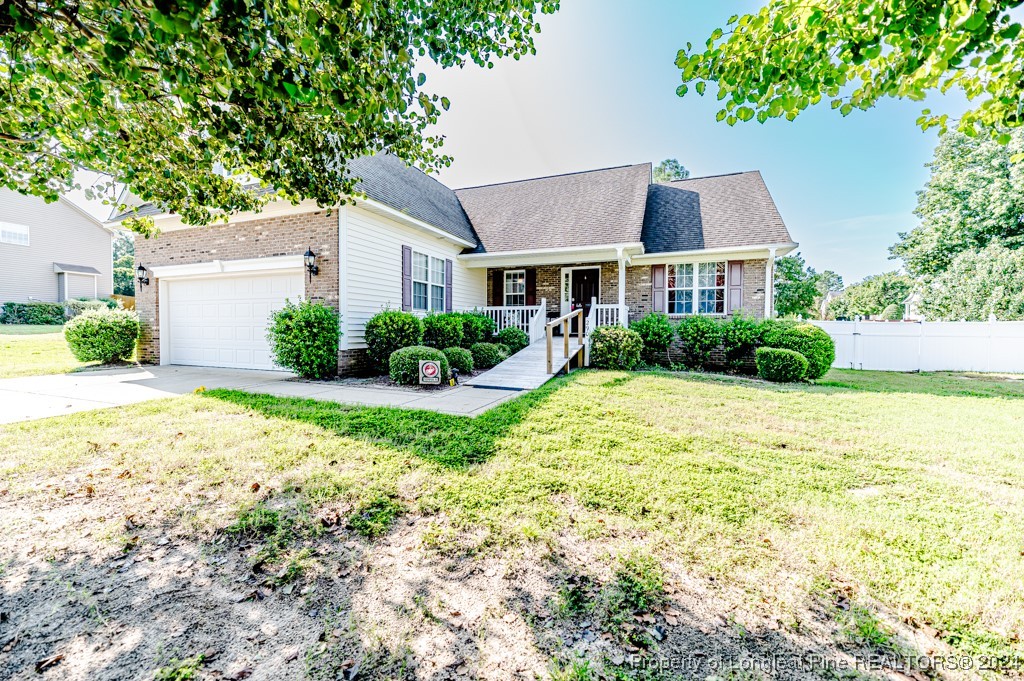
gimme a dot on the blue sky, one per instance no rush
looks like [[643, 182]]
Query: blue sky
[[601, 92]]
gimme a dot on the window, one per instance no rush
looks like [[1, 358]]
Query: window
[[515, 288], [427, 283], [11, 233], [701, 291]]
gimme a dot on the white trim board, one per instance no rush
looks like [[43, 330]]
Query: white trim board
[[215, 267]]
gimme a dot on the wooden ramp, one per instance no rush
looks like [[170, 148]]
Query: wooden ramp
[[527, 369]]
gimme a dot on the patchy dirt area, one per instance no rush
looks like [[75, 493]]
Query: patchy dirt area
[[403, 606]]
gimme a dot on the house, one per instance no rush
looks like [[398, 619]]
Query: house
[[912, 307], [609, 241], [52, 252]]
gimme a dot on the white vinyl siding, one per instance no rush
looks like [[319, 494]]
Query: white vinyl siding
[[59, 233], [371, 275], [81, 286]]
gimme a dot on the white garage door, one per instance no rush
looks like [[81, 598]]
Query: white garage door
[[222, 321]]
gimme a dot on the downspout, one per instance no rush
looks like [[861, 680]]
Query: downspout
[[623, 314], [769, 285]]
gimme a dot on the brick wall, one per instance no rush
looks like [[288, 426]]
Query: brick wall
[[285, 235], [638, 287]]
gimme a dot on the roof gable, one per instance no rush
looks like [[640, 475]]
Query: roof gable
[[596, 207], [723, 211]]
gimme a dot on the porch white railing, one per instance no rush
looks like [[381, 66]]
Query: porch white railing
[[529, 319]]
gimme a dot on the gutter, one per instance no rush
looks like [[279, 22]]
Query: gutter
[[553, 256], [763, 250]]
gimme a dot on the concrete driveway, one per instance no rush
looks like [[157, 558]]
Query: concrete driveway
[[36, 397]]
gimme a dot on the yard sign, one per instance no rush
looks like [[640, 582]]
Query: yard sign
[[430, 372]]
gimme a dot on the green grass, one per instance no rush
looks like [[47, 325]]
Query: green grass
[[33, 353], [30, 329], [906, 489]]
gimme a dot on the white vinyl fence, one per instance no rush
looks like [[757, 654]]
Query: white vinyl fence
[[928, 346]]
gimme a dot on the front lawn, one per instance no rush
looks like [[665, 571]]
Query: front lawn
[[605, 516], [29, 350]]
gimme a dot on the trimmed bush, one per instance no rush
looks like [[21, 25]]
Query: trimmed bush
[[73, 308], [657, 333], [807, 339], [102, 335], [388, 331], [460, 359], [615, 347], [304, 338], [32, 313], [700, 336], [780, 365], [514, 338], [893, 313], [503, 349], [741, 336], [404, 365], [487, 355], [442, 330], [476, 328]]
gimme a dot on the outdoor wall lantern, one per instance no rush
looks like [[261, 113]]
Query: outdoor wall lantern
[[143, 274], [310, 259]]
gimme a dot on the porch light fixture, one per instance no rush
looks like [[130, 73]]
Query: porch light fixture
[[142, 274], [310, 259]]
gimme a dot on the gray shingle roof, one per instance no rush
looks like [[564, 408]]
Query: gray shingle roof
[[387, 179], [580, 209], [712, 212], [74, 269]]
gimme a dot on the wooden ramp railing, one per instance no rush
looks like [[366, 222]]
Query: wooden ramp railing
[[565, 321]]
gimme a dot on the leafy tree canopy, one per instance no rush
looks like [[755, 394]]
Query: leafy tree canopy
[[796, 286], [124, 244], [793, 54], [178, 100], [977, 284], [670, 169], [873, 295], [974, 197]]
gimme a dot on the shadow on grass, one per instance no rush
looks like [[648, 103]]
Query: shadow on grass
[[449, 440]]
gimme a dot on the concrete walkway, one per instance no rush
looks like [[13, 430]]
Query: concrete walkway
[[36, 397]]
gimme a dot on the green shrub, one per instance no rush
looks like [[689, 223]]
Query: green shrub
[[476, 328], [740, 338], [102, 335], [442, 330], [504, 350], [487, 355], [32, 313], [700, 336], [388, 331], [893, 313], [404, 366], [807, 339], [514, 338], [304, 338], [460, 359], [657, 332], [615, 347], [73, 308], [780, 365]]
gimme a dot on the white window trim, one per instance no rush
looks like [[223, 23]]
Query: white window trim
[[695, 288], [18, 228], [506, 294], [429, 284]]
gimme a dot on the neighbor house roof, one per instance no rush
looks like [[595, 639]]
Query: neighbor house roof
[[722, 211], [590, 208]]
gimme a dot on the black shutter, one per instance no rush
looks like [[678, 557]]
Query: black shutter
[[406, 278], [447, 285], [497, 288]]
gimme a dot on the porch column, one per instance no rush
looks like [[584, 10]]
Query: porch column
[[623, 320], [769, 284]]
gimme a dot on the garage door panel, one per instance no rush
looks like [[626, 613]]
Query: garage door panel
[[223, 321]]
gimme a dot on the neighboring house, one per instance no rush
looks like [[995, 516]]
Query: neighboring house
[[52, 251], [522, 251], [912, 308]]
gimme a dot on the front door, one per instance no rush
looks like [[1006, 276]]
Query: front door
[[581, 286]]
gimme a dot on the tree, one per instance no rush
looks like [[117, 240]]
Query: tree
[[792, 55], [124, 244], [826, 283], [670, 169], [182, 100], [873, 295], [795, 286], [124, 264], [974, 197], [977, 284]]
